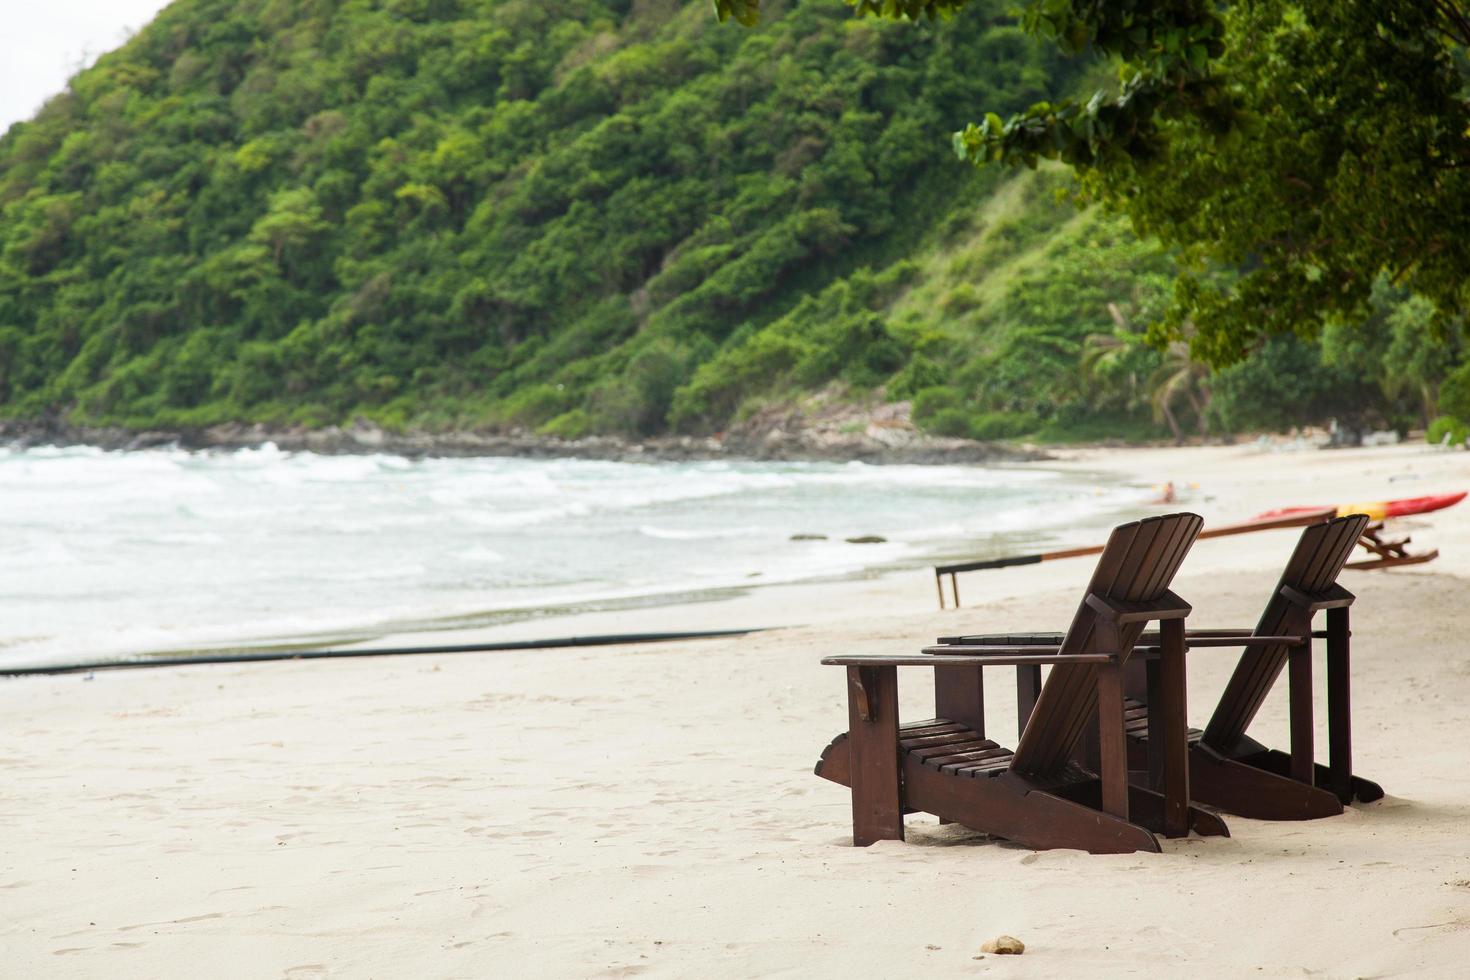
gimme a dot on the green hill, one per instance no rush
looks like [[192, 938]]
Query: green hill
[[570, 216]]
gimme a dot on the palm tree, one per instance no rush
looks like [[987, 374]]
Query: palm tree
[[1177, 376]]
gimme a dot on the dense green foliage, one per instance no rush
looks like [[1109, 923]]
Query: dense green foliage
[[1333, 152], [1308, 146], [607, 216], [475, 212]]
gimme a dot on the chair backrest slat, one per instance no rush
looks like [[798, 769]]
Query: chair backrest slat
[[1320, 555], [1141, 565], [1137, 565]]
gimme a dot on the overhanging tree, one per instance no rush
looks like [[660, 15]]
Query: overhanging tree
[[1307, 148]]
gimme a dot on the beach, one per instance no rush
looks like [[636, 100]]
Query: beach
[[651, 810]]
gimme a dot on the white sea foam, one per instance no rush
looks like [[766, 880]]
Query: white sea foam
[[691, 534], [109, 554], [479, 553]]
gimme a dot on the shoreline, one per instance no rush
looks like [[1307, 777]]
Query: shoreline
[[751, 603], [877, 539], [1236, 482], [766, 605], [876, 443]]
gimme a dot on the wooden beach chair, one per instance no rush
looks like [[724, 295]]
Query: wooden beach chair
[[1228, 769], [1041, 795], [1233, 771]]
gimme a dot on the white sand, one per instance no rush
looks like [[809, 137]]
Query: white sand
[[652, 810]]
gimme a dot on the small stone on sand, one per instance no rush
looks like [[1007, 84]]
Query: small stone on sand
[[1004, 945], [867, 539]]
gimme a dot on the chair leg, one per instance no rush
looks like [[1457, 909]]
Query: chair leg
[[959, 695], [1112, 740], [1300, 690], [1146, 808], [872, 718], [1157, 739], [1176, 740], [1339, 706], [1028, 689]]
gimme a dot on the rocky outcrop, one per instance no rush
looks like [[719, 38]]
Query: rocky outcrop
[[818, 430], [831, 425]]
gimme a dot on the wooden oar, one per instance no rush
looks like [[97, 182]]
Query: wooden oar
[[1299, 519]]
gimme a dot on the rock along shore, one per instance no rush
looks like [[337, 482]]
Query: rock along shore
[[879, 441]]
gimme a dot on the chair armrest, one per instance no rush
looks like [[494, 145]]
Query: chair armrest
[[1055, 639], [1041, 638], [1152, 636], [1001, 656], [1244, 641], [1148, 639], [1332, 597], [1167, 606], [1005, 653], [1148, 648]]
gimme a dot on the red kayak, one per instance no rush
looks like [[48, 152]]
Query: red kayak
[[1379, 509]]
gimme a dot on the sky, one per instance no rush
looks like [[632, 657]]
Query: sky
[[45, 42]]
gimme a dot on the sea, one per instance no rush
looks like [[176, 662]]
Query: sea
[[108, 555]]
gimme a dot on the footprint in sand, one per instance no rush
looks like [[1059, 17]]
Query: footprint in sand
[[1414, 934], [173, 922]]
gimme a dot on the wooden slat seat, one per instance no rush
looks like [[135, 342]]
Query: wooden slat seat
[[952, 748], [1192, 735], [1135, 722]]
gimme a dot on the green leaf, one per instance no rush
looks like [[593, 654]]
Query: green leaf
[[746, 12]]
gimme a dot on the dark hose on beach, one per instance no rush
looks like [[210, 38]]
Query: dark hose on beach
[[609, 639]]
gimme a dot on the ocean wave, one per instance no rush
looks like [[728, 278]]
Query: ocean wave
[[510, 518], [481, 555], [387, 572], [687, 534], [167, 549]]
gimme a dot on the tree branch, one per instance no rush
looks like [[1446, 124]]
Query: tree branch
[[1458, 21]]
